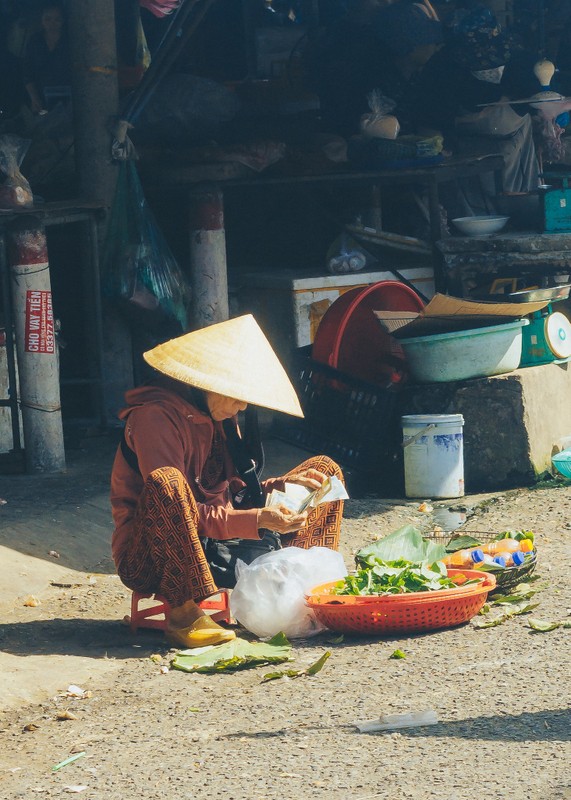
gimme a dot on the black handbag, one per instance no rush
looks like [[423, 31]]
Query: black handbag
[[222, 555]]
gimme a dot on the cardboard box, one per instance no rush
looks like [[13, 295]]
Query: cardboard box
[[444, 314]]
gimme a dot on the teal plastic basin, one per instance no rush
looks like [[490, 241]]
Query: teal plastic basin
[[475, 353]]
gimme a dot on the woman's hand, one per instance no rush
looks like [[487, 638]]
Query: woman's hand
[[280, 519], [310, 478]]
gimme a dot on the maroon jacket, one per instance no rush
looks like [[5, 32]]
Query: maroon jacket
[[164, 430]]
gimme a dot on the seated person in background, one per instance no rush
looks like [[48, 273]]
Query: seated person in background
[[377, 46], [46, 60], [174, 482], [476, 66]]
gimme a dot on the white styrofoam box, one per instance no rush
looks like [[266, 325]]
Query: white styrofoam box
[[289, 304]]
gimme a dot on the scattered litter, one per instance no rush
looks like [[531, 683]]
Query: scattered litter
[[67, 761], [31, 726], [543, 625], [156, 658], [75, 789], [339, 639], [53, 553], [425, 508], [195, 710], [234, 655], [297, 673], [31, 601], [398, 654], [77, 691], [63, 715], [72, 583], [164, 669], [2, 501], [415, 719]]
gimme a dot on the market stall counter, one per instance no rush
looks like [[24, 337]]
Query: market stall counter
[[206, 185]]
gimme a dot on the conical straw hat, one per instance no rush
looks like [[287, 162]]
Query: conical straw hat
[[231, 358]]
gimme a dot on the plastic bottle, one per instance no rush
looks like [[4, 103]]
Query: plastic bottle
[[494, 561], [501, 546], [466, 559], [513, 559]]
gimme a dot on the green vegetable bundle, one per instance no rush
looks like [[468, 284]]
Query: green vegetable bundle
[[400, 563], [396, 577]]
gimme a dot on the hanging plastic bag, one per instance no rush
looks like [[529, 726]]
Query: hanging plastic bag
[[269, 596], [15, 191], [379, 123], [138, 263]]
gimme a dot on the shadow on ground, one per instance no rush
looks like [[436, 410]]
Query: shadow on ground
[[80, 637], [552, 725]]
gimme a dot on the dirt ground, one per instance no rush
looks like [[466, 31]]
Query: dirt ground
[[501, 694]]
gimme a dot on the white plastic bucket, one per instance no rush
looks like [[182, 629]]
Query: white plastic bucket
[[433, 455]]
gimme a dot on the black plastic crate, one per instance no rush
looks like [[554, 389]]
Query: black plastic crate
[[352, 421]]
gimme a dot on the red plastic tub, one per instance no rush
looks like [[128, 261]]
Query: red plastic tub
[[351, 339]]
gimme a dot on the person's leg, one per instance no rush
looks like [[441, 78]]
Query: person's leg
[[165, 556], [324, 522]]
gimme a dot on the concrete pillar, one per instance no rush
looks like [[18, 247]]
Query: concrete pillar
[[95, 95], [38, 362], [95, 106], [209, 279]]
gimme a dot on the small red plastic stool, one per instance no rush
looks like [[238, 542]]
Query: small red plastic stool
[[150, 617]]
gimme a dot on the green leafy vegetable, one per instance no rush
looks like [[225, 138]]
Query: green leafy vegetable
[[519, 536], [398, 654], [234, 655], [462, 543], [406, 544], [395, 577]]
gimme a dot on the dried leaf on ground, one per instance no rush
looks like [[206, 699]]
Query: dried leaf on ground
[[543, 625], [297, 673]]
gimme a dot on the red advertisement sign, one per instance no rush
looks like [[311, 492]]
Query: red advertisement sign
[[39, 336]]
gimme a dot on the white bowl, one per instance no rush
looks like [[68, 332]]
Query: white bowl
[[480, 226]]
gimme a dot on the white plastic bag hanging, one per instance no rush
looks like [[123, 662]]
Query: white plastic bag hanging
[[269, 596]]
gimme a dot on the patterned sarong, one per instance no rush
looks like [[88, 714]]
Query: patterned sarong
[[165, 555]]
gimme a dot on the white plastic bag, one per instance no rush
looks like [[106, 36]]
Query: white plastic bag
[[269, 593]]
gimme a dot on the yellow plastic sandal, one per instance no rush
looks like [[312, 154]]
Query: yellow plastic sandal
[[201, 633]]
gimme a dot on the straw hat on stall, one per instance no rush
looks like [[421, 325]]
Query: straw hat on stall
[[231, 358]]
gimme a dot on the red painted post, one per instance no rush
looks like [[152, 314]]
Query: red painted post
[[38, 363], [209, 279]]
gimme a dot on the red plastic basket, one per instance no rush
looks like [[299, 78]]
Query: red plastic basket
[[422, 611]]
